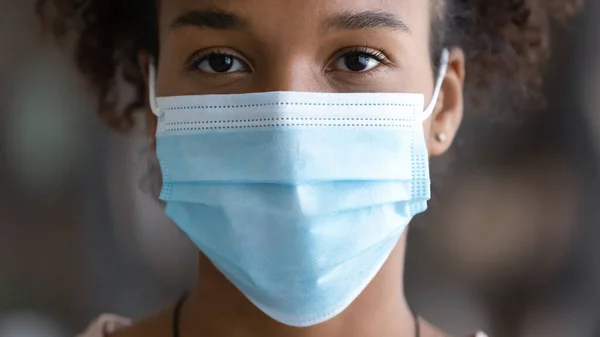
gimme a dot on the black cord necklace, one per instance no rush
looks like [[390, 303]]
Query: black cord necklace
[[177, 314]]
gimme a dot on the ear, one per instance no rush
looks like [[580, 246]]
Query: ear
[[144, 60], [448, 113]]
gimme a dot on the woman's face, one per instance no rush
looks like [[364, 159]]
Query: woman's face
[[241, 46]]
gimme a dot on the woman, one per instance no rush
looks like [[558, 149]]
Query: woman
[[294, 137]]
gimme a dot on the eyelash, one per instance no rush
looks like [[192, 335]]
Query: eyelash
[[377, 55], [196, 59]]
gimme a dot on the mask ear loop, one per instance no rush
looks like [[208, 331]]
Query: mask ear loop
[[438, 85], [152, 89]]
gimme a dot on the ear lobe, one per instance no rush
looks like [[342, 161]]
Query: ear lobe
[[447, 116]]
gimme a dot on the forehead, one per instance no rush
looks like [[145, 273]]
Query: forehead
[[296, 14]]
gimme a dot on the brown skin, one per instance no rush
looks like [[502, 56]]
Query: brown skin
[[287, 48]]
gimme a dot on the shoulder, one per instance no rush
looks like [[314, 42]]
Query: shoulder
[[428, 330]]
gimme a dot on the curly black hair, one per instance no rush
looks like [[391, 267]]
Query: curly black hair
[[506, 43]]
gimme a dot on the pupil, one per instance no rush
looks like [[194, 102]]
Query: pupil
[[357, 62], [220, 63]]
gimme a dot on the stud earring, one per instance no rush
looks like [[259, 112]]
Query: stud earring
[[441, 137]]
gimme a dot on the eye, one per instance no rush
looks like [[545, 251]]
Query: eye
[[359, 61], [219, 63]]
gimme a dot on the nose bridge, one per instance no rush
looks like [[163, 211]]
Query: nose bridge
[[288, 72]]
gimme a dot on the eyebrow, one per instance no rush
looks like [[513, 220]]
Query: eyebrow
[[366, 20], [209, 18]]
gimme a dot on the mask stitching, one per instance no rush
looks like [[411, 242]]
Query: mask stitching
[[276, 119], [193, 107], [283, 125]]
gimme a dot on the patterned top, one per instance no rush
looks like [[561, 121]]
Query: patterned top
[[105, 324]]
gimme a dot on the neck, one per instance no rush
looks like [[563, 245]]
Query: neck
[[216, 308]]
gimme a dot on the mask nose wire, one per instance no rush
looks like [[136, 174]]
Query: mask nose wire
[[438, 85]]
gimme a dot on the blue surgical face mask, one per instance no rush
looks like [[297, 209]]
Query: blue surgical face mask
[[297, 198]]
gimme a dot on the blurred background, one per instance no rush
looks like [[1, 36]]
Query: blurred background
[[509, 245]]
